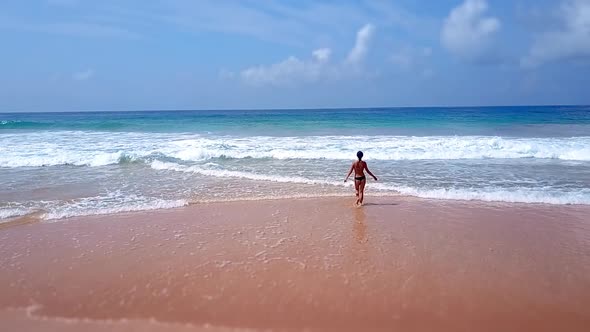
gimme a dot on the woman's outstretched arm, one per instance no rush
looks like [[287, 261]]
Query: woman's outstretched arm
[[349, 172], [371, 174]]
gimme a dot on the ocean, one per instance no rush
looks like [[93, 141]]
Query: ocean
[[59, 165]]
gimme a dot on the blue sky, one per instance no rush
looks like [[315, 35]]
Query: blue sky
[[62, 55]]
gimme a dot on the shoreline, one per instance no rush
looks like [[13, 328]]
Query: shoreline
[[38, 215], [314, 264]]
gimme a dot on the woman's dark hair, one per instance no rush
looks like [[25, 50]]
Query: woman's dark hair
[[359, 155]]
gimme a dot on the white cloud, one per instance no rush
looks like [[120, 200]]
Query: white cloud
[[294, 70], [322, 54], [83, 75], [285, 72], [361, 46], [466, 32], [570, 41]]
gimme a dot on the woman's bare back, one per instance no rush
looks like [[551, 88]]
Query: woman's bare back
[[359, 167]]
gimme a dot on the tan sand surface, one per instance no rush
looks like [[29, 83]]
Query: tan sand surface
[[307, 264]]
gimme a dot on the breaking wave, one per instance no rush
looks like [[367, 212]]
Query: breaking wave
[[489, 194], [100, 149]]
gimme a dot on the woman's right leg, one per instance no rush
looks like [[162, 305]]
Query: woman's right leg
[[362, 191]]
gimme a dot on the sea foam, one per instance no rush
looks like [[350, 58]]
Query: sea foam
[[109, 203], [100, 149], [489, 194], [13, 212]]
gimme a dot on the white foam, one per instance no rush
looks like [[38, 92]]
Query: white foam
[[12, 212], [99, 149], [110, 203], [383, 148], [102, 205], [490, 194], [512, 195], [159, 165]]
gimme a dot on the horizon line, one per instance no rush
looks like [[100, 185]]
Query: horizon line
[[290, 108]]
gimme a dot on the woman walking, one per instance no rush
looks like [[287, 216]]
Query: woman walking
[[360, 180]]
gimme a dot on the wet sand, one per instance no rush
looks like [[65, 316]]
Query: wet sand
[[308, 264]]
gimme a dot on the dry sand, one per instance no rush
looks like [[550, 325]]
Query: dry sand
[[310, 264]]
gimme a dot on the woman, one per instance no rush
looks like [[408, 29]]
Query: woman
[[360, 180]]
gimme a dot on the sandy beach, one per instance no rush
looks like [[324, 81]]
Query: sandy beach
[[308, 264], [194, 166]]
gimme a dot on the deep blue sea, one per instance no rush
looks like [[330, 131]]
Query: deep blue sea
[[80, 163]]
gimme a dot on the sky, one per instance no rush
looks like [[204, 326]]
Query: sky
[[74, 55]]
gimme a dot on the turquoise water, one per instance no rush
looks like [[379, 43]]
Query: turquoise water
[[452, 121], [79, 163]]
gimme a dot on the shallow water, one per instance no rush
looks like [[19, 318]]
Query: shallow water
[[67, 164]]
